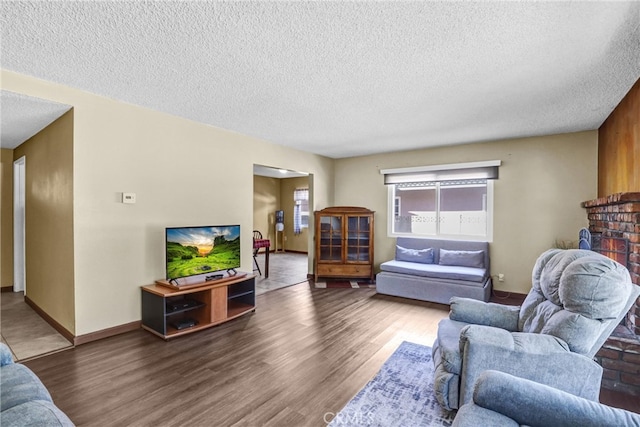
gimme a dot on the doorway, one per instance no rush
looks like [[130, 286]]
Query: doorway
[[19, 179], [273, 190], [29, 315]]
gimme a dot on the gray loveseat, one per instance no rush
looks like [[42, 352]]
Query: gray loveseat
[[501, 399], [436, 270], [25, 400]]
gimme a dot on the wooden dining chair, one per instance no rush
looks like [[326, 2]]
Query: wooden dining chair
[[257, 235]]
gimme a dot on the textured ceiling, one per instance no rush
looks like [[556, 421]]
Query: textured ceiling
[[341, 78], [24, 116], [276, 173]]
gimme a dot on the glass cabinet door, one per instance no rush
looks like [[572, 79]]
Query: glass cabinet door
[[358, 235], [331, 238]]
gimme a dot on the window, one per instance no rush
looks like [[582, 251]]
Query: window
[[300, 210], [422, 202]]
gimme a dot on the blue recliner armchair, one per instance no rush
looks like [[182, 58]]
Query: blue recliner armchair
[[577, 298], [24, 400], [502, 400]]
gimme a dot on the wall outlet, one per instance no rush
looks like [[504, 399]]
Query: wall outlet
[[500, 277]]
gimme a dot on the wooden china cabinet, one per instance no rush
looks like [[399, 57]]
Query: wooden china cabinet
[[344, 242]]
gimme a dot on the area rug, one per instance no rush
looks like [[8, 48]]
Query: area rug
[[401, 394], [345, 284]]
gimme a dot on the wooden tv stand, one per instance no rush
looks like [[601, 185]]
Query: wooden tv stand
[[207, 304]]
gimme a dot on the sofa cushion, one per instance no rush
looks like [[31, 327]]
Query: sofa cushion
[[536, 404], [601, 291], [573, 296], [20, 385], [462, 258], [423, 256], [438, 271], [6, 358], [450, 245], [34, 413], [472, 415]]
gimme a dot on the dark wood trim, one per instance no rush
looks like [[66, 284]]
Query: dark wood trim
[[50, 320], [6, 289], [106, 333], [506, 297], [82, 339]]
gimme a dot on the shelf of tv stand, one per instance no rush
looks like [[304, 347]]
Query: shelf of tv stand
[[184, 310], [236, 309], [216, 302]]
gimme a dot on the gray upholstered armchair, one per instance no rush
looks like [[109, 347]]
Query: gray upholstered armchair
[[577, 298], [532, 404]]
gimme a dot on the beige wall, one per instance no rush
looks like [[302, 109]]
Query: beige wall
[[6, 218], [266, 200], [537, 199], [183, 172], [49, 244], [186, 173]]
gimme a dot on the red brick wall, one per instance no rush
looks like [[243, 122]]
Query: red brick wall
[[620, 360], [618, 215]]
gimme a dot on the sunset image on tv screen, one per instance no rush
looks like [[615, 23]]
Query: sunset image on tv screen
[[200, 250]]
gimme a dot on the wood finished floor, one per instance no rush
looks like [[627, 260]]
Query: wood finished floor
[[30, 336], [297, 360], [301, 356]]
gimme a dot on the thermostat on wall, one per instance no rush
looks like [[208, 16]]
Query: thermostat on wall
[[128, 197]]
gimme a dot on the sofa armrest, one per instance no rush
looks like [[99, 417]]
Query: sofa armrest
[[535, 404], [472, 415], [484, 313], [538, 357], [6, 358]]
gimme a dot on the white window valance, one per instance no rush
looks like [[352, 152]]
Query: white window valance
[[439, 173]]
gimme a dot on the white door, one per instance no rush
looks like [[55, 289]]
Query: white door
[[19, 280]]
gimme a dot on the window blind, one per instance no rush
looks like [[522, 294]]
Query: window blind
[[439, 173], [300, 197]]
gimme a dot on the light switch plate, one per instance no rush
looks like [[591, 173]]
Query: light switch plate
[[128, 198]]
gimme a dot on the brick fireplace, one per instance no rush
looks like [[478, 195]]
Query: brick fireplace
[[618, 216]]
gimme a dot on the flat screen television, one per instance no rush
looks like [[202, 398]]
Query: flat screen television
[[191, 251]]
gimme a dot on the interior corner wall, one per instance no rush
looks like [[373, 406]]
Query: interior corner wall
[[6, 218], [619, 147], [293, 242], [183, 173], [537, 198], [266, 200], [49, 244]]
